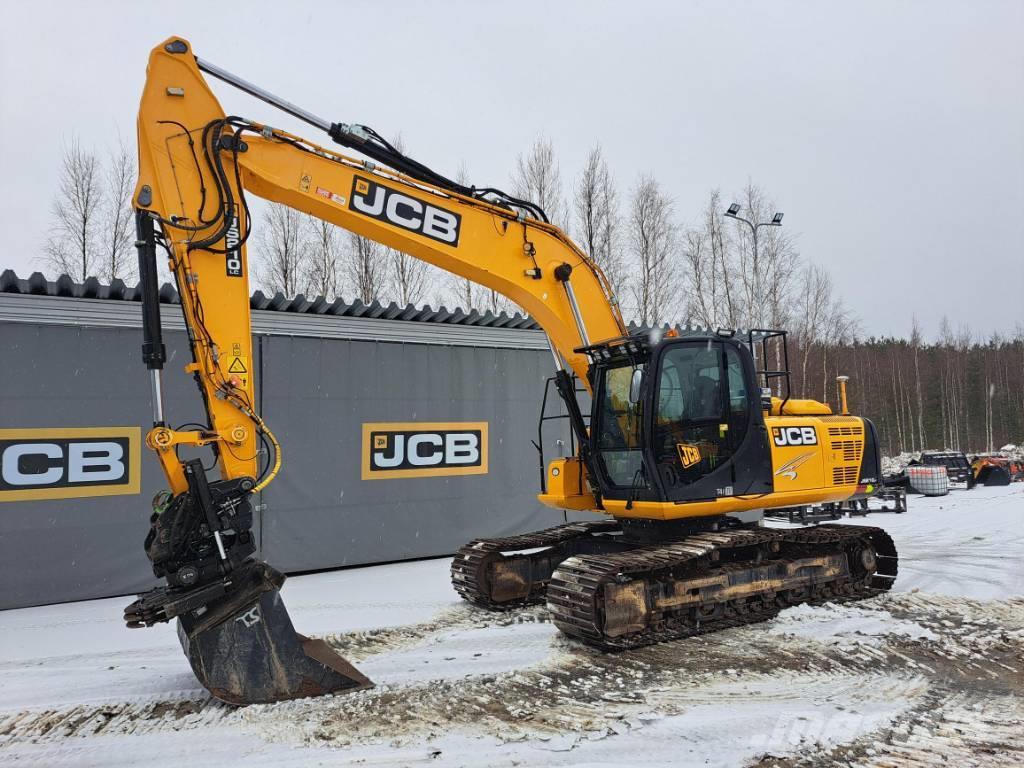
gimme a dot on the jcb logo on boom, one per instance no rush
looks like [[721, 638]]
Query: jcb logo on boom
[[386, 204], [68, 463], [420, 449], [785, 436]]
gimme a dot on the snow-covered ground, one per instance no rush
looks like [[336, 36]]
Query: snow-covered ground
[[932, 671]]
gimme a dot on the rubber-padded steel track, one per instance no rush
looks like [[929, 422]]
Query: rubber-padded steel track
[[576, 592]]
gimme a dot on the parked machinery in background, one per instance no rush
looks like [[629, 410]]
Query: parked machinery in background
[[997, 470]]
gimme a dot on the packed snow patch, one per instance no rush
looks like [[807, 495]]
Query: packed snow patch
[[848, 623], [461, 654]]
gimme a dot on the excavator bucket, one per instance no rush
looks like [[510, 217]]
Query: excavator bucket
[[240, 641], [255, 656]]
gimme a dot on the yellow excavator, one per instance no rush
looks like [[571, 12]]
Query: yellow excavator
[[678, 440]]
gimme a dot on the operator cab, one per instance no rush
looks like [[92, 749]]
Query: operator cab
[[677, 419]]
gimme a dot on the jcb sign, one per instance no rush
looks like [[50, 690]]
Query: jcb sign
[[68, 463], [420, 449], [395, 207], [786, 436]]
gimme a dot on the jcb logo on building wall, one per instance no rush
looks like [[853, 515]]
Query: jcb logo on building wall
[[386, 204], [786, 436], [68, 463], [421, 449]]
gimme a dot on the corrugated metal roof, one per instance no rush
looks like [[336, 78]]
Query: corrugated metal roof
[[92, 288], [310, 309]]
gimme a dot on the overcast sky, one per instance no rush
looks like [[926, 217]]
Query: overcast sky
[[891, 133]]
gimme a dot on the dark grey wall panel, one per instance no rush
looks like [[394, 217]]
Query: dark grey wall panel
[[69, 377], [316, 393], [321, 514]]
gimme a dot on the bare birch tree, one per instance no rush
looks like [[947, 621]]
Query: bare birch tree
[[651, 242], [536, 178], [282, 248], [709, 274], [596, 209], [72, 246], [915, 344], [366, 268], [812, 318], [116, 252], [324, 263]]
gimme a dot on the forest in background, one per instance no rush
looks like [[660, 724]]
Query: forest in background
[[954, 393], [961, 390]]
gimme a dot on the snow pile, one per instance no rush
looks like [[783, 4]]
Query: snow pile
[[846, 625], [894, 465]]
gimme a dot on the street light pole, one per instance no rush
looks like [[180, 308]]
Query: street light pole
[[733, 213]]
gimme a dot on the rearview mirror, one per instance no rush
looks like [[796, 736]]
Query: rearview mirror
[[635, 384]]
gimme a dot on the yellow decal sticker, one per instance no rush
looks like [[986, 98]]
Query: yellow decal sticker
[[68, 463], [423, 449], [304, 182], [688, 454], [238, 364]]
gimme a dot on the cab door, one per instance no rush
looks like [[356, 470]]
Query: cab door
[[708, 438]]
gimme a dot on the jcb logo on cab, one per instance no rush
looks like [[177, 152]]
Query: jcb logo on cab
[[420, 449], [68, 463], [786, 436], [689, 455]]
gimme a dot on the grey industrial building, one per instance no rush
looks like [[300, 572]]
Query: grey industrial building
[[71, 361]]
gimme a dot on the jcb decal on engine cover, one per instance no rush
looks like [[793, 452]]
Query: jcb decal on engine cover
[[233, 246], [68, 463], [377, 201], [786, 436], [424, 449], [689, 455]]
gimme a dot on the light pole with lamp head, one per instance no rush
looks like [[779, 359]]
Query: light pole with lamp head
[[734, 213]]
